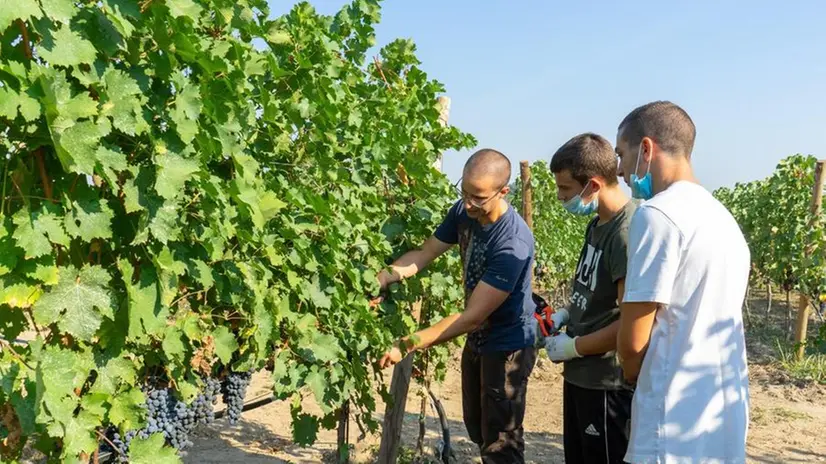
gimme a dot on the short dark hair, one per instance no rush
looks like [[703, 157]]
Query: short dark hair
[[488, 161], [664, 122], [586, 156]]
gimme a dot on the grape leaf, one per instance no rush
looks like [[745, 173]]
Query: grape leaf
[[59, 10], [115, 372], [316, 295], [66, 47], [124, 105], [146, 316], [79, 436], [94, 403], [305, 429], [83, 296], [9, 254], [34, 228], [225, 344], [17, 9], [119, 13], [74, 141], [270, 205], [59, 373], [19, 295], [186, 8], [63, 108], [278, 36], [152, 451], [11, 101], [132, 196], [13, 323], [127, 409], [321, 347], [173, 345], [8, 103], [200, 272], [76, 146], [186, 112], [264, 326], [29, 238], [173, 172], [188, 390], [163, 222], [167, 262], [111, 162], [89, 219], [318, 384], [25, 408], [45, 272]]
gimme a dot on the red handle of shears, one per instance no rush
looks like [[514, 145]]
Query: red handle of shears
[[546, 325], [542, 314]]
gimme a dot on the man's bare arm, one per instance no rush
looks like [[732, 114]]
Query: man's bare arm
[[482, 302], [413, 261], [636, 322]]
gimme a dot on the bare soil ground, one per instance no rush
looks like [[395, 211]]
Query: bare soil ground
[[788, 417]]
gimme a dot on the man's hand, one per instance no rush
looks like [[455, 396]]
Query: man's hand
[[386, 277], [393, 356], [376, 300], [412, 262], [561, 347], [560, 317]]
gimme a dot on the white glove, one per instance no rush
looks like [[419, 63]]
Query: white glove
[[560, 317], [561, 347]]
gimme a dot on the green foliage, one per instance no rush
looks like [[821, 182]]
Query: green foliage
[[189, 186], [787, 244], [559, 234]]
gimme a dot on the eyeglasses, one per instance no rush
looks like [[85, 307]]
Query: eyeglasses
[[469, 199]]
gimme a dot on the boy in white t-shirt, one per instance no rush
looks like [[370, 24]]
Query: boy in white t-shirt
[[681, 329]]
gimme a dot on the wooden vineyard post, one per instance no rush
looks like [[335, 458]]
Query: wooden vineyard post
[[400, 384], [527, 201], [343, 435], [803, 304]]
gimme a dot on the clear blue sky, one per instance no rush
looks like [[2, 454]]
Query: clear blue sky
[[525, 76]]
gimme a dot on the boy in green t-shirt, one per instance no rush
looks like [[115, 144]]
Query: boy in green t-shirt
[[596, 398]]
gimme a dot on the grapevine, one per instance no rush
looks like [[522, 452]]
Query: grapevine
[[190, 187], [786, 244]]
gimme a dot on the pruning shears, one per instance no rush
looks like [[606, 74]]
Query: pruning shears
[[542, 313]]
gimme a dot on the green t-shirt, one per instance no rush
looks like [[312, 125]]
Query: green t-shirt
[[602, 263]]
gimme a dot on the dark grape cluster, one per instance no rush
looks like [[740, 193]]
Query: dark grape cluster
[[121, 449], [234, 387], [170, 416], [203, 404]]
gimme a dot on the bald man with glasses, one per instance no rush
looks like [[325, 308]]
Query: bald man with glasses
[[497, 250]]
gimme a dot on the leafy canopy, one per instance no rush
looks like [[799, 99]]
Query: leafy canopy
[[190, 186]]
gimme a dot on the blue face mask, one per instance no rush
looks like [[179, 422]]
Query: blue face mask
[[576, 206], [641, 188]]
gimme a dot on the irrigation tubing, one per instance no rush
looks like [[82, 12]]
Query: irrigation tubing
[[446, 451]]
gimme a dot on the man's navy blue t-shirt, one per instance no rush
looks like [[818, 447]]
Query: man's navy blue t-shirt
[[500, 254]]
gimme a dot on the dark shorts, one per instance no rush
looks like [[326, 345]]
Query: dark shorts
[[597, 424], [493, 401]]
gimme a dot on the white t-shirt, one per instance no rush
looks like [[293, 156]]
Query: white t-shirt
[[691, 401]]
